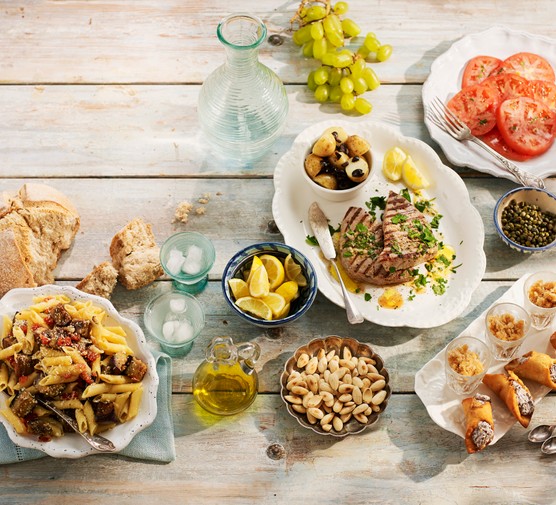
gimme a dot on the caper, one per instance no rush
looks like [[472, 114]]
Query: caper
[[528, 225]]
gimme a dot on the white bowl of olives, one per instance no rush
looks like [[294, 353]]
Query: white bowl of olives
[[338, 165]]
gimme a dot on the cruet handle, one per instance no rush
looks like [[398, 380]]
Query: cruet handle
[[248, 354]]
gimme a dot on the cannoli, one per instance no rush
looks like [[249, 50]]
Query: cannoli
[[553, 340], [479, 423], [535, 366], [513, 393]]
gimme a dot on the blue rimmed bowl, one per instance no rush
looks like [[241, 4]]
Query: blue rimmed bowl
[[544, 199], [241, 263]]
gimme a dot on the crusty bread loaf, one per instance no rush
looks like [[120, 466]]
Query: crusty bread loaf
[[44, 223], [101, 281], [135, 255], [13, 268]]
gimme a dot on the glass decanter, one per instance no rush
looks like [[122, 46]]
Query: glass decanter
[[226, 382], [243, 104]]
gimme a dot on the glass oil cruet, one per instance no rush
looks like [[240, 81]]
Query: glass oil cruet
[[243, 104], [226, 382]]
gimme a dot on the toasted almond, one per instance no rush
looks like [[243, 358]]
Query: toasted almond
[[334, 380], [316, 413], [327, 419], [362, 418], [378, 385], [346, 409], [346, 397], [306, 399], [358, 382], [346, 353], [313, 383], [345, 417], [322, 364], [362, 368], [337, 423], [376, 408], [371, 368], [299, 390], [311, 367], [315, 401], [367, 395], [299, 408], [347, 363], [341, 372], [333, 366], [379, 397], [345, 388], [369, 411], [347, 378], [321, 354], [324, 387], [293, 399], [326, 427], [311, 418], [357, 395], [302, 360], [338, 405], [360, 409], [331, 354], [366, 382]]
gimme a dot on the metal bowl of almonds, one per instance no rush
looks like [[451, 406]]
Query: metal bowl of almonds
[[335, 386]]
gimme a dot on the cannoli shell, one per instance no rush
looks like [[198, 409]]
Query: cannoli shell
[[536, 368], [475, 412], [553, 340], [500, 384]]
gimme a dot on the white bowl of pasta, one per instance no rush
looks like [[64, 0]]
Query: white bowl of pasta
[[74, 350]]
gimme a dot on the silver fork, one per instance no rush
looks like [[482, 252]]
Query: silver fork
[[446, 120]]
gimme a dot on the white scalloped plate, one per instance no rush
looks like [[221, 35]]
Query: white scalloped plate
[[444, 81], [461, 224], [444, 406], [71, 445]]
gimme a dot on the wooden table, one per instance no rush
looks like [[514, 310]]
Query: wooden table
[[98, 99]]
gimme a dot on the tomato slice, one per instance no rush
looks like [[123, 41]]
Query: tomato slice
[[478, 69], [545, 92], [509, 86], [494, 139], [527, 65], [476, 107], [526, 125]]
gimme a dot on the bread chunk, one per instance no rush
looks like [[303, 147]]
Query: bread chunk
[[135, 255], [14, 272], [101, 281]]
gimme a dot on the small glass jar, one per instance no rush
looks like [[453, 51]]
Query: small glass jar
[[506, 326], [175, 320], [187, 258], [471, 351], [541, 316]]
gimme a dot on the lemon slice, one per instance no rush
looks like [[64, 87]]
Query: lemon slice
[[239, 288], [259, 285], [392, 163], [288, 290], [274, 269], [276, 302], [255, 307], [293, 271], [285, 312], [412, 176]]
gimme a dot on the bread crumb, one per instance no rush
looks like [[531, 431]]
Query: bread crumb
[[204, 199], [465, 361], [200, 211], [182, 211]]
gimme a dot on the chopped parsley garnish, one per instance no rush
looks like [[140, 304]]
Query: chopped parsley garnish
[[421, 280], [454, 268], [361, 228], [392, 270], [436, 220], [444, 260], [311, 240], [405, 193], [399, 218], [376, 202], [367, 297], [440, 287]]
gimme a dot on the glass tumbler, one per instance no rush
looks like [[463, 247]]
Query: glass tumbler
[[187, 258], [540, 286], [175, 320], [467, 350], [504, 337]]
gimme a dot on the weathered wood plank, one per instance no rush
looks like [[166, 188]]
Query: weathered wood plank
[[405, 458], [138, 41]]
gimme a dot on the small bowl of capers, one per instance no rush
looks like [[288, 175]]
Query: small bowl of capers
[[338, 165], [525, 219]]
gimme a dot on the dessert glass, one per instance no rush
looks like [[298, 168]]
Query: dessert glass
[[501, 348], [541, 317], [476, 350]]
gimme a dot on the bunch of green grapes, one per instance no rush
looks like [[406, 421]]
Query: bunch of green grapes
[[343, 75]]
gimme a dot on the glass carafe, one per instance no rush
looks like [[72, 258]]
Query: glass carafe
[[226, 382], [243, 104]]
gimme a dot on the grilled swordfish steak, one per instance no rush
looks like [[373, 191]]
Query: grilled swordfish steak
[[384, 252]]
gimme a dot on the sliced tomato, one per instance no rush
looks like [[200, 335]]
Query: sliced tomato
[[494, 139], [476, 107], [545, 92], [478, 69], [526, 125], [509, 85], [527, 65]]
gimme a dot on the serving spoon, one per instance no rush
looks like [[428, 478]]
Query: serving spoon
[[541, 433], [549, 446], [98, 442]]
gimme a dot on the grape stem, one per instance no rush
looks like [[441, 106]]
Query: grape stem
[[298, 17]]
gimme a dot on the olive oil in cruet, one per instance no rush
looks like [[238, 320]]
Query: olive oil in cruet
[[226, 382]]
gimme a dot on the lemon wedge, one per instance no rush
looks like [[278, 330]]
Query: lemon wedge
[[259, 286], [392, 163], [293, 271], [274, 269], [239, 288], [276, 302], [285, 312], [412, 176], [288, 290], [255, 307], [257, 263]]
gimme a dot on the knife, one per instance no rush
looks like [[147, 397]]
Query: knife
[[319, 224]]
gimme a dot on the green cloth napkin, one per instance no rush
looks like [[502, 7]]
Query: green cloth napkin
[[154, 443]]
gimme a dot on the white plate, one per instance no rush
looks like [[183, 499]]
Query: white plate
[[71, 445], [461, 225], [444, 406], [444, 81]]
